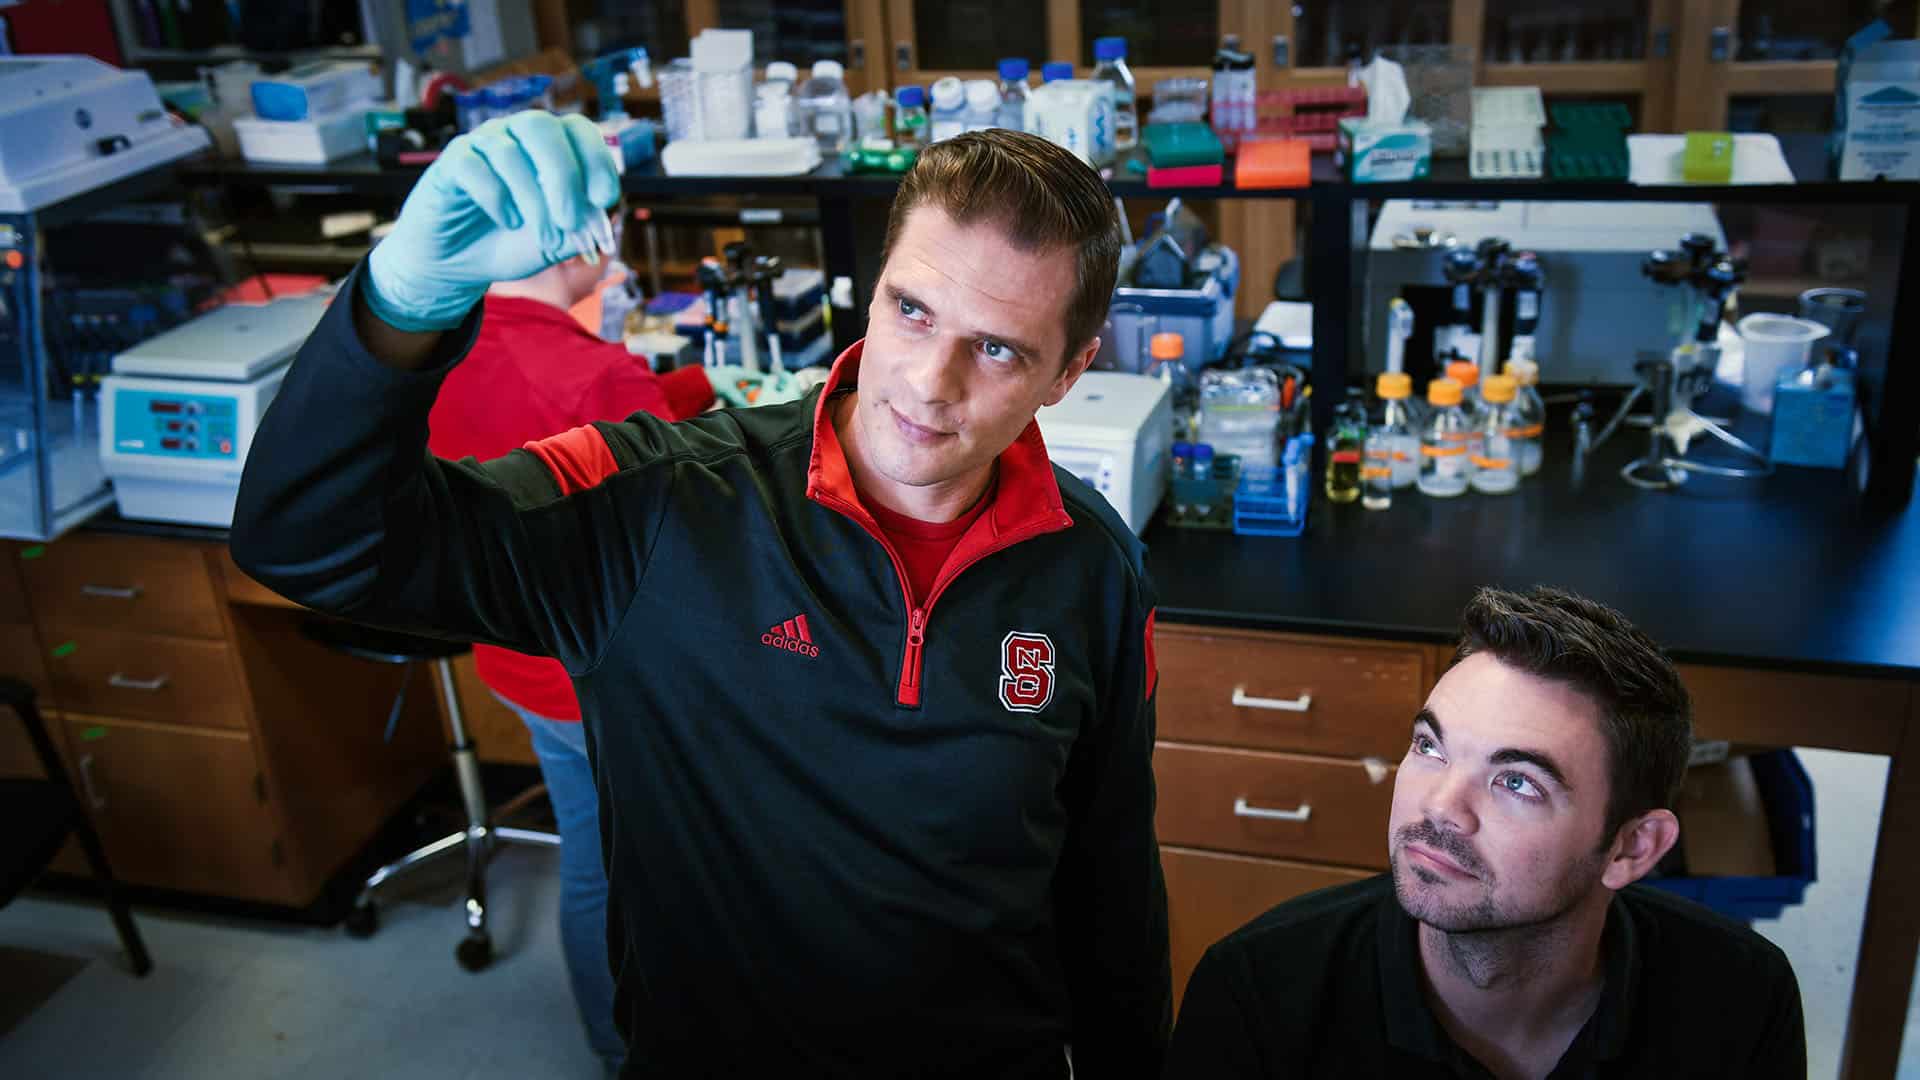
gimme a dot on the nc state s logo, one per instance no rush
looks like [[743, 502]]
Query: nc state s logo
[[1026, 672]]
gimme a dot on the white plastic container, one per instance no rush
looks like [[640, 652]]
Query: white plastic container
[[1014, 91], [723, 67], [1773, 343], [1076, 114], [948, 117], [823, 108], [983, 104]]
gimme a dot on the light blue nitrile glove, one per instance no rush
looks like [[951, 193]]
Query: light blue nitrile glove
[[503, 201]]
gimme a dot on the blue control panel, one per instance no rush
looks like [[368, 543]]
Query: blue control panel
[[192, 426]]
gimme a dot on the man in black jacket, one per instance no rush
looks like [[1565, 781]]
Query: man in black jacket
[[868, 684]]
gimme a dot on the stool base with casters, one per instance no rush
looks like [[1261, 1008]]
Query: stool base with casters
[[480, 838]]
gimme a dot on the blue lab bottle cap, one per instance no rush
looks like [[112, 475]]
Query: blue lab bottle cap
[[1013, 68], [1203, 451], [1059, 69], [1182, 449], [912, 97], [1110, 48]]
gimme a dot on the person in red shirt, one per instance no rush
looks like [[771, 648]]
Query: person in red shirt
[[535, 372]]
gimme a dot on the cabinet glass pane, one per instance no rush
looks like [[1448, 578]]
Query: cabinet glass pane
[[1797, 30], [1159, 33], [601, 26], [1329, 33], [1548, 32], [969, 34], [797, 31]]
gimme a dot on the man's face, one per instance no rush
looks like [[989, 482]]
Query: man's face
[[964, 344], [1500, 803]]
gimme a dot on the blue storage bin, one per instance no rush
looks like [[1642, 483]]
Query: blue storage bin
[[1787, 793]]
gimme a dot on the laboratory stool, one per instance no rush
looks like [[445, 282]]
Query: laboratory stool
[[38, 816], [481, 838]]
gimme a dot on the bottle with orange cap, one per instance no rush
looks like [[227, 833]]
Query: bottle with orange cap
[[1446, 442], [1529, 415], [1400, 427], [1166, 352], [1467, 374], [1496, 470]]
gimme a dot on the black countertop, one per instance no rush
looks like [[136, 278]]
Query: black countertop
[[1782, 572], [1787, 571]]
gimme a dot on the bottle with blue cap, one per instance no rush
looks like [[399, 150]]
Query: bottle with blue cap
[[1054, 71], [1013, 94], [910, 117], [1110, 59]]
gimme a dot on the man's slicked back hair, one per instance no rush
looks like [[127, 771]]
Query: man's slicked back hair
[[1040, 195]]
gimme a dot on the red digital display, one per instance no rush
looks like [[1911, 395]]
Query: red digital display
[[169, 444], [164, 406]]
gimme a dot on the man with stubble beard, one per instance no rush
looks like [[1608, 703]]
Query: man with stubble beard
[[1509, 939]]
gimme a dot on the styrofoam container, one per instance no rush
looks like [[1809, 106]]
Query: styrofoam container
[[1773, 343], [302, 142]]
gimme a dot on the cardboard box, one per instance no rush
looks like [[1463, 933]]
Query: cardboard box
[[1384, 153]]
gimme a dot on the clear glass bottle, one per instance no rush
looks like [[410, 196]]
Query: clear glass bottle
[[1495, 469], [948, 115], [1346, 445], [910, 117], [1397, 416], [1376, 476], [1110, 66], [1182, 480], [1204, 495], [1445, 443], [1467, 374], [1013, 94], [1529, 415], [983, 105], [824, 109]]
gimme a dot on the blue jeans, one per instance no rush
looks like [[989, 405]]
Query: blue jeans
[[561, 746]]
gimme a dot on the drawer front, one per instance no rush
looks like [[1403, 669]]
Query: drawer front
[[1260, 803], [178, 809], [123, 583], [1210, 895], [144, 676], [242, 589], [1270, 693], [1769, 708]]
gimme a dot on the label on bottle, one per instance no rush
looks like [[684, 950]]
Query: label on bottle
[[1377, 472], [1492, 463], [1443, 451], [1531, 431], [1345, 457], [1527, 305]]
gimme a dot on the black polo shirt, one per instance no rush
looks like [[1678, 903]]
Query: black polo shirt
[[1328, 985]]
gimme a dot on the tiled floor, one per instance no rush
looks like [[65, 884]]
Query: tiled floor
[[263, 1000]]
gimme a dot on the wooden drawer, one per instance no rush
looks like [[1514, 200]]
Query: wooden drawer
[[144, 676], [1238, 688], [242, 589], [1226, 800], [1210, 895], [178, 809], [1769, 708], [123, 583]]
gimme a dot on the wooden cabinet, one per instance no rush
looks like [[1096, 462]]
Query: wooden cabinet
[[217, 750], [1274, 769], [1210, 895], [211, 835]]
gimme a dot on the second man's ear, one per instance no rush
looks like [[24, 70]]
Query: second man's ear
[[1639, 847]]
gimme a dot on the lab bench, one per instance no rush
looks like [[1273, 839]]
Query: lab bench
[[1290, 670]]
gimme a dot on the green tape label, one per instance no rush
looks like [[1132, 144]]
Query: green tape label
[[64, 650], [33, 552], [92, 733]]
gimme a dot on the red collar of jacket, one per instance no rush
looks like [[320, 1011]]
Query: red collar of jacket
[[1026, 498]]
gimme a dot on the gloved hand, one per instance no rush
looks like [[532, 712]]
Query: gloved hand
[[736, 386], [503, 201]]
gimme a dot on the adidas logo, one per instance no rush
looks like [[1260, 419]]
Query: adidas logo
[[793, 636]]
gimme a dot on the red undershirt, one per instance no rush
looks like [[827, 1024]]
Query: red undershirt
[[925, 546]]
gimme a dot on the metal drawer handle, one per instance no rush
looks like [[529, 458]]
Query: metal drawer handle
[[121, 682], [1242, 808], [86, 781], [112, 592], [1242, 700]]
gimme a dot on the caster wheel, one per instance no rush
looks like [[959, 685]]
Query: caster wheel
[[362, 920], [474, 953]]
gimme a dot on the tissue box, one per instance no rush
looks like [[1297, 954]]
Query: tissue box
[[1880, 117], [1383, 153]]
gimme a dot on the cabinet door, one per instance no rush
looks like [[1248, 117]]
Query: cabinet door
[[1210, 895], [969, 38], [178, 809], [803, 31]]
